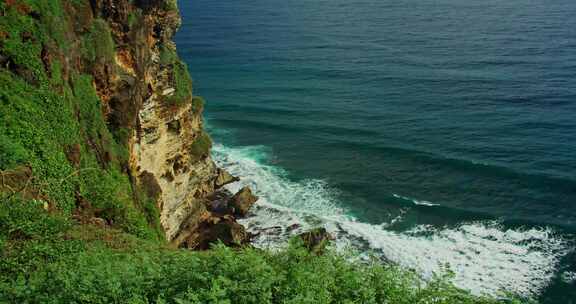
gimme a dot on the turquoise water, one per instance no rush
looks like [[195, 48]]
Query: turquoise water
[[425, 131]]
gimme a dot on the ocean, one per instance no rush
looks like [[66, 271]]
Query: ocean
[[424, 132]]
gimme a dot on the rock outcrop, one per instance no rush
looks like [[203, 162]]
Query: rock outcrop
[[215, 229], [224, 178], [147, 91], [316, 240], [218, 223], [242, 201], [169, 149]]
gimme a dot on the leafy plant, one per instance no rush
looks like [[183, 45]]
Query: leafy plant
[[201, 146]]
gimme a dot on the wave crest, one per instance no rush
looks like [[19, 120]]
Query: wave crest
[[484, 256]]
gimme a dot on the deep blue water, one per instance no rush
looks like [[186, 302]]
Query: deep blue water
[[411, 112]]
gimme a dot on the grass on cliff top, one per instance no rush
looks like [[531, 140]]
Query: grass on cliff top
[[46, 258]]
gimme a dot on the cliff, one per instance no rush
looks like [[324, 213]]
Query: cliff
[[99, 120], [105, 172]]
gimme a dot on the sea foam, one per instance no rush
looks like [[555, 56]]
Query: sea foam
[[485, 257], [415, 201]]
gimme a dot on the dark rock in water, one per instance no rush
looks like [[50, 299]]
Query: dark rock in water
[[242, 201], [293, 227], [217, 229], [224, 178], [218, 222], [316, 240]]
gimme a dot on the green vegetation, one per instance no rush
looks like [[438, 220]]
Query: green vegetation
[[171, 5], [46, 259], [168, 55], [75, 228], [201, 146], [98, 44], [42, 114], [182, 83], [133, 18], [179, 78], [198, 104]]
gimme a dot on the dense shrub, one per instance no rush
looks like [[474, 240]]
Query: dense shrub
[[179, 77], [223, 275], [198, 104], [201, 146], [31, 236], [181, 83], [45, 258], [98, 44], [171, 5]]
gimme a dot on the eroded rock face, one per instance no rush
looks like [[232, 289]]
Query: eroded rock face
[[224, 178], [146, 91], [139, 92], [316, 240], [166, 132], [164, 152], [217, 229], [218, 221]]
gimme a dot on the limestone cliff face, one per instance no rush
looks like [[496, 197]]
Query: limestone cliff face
[[149, 94], [162, 143]]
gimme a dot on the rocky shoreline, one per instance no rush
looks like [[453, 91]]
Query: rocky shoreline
[[219, 223]]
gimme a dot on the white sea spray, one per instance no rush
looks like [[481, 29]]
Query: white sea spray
[[484, 256]]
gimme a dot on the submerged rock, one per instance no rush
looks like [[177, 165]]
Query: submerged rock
[[242, 201]]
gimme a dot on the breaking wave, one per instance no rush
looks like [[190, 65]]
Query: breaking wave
[[415, 201], [485, 257]]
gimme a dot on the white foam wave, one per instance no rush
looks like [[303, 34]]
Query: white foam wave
[[485, 257], [415, 201], [569, 277]]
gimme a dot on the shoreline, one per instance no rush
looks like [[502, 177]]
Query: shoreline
[[476, 250]]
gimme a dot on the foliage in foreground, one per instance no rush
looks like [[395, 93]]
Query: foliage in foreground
[[45, 258]]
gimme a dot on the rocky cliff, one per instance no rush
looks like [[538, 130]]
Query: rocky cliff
[[108, 129]]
